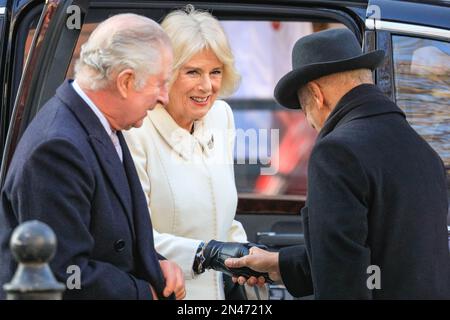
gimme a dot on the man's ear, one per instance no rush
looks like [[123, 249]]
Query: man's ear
[[125, 82], [317, 94]]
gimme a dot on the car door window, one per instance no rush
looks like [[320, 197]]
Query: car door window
[[422, 88], [21, 38], [2, 31], [272, 143]]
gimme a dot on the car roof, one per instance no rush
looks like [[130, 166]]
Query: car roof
[[431, 13]]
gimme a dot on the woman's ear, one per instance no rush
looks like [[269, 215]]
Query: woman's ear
[[125, 82]]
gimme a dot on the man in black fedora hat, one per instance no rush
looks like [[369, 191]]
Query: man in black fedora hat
[[375, 216]]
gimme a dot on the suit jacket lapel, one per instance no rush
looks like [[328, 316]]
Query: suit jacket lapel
[[142, 223], [102, 145], [114, 170]]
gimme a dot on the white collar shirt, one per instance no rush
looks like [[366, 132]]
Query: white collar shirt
[[111, 133]]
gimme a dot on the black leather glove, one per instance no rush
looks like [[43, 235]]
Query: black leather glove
[[216, 252]]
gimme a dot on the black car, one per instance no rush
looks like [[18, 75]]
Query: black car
[[40, 40]]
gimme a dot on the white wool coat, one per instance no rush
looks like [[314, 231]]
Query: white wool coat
[[189, 183]]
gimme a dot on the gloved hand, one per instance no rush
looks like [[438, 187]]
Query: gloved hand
[[216, 252]]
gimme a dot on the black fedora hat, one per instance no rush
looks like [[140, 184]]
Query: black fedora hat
[[320, 54]]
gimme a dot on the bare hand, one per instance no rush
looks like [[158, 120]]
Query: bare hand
[[258, 260], [174, 279]]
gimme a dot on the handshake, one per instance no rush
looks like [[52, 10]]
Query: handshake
[[215, 253]]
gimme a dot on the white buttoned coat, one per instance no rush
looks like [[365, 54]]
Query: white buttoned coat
[[189, 183]]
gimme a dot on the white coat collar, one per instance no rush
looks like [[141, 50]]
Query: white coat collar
[[179, 139]]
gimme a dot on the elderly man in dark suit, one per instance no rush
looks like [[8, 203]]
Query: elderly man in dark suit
[[375, 215], [72, 168]]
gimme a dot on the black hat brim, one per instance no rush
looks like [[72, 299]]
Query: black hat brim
[[286, 89]]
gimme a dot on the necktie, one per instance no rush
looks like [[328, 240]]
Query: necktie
[[115, 141]]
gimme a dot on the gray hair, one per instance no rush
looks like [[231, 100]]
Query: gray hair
[[354, 77], [123, 41], [345, 78], [192, 31]]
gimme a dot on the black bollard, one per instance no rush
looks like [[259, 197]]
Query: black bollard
[[33, 245]]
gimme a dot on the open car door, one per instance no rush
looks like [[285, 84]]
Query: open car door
[[53, 40], [4, 25]]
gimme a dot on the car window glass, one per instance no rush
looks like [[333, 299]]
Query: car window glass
[[31, 30], [84, 35], [272, 143], [2, 23], [422, 87], [28, 42], [22, 38]]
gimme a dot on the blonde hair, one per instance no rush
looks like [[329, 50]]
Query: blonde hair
[[192, 31], [123, 41]]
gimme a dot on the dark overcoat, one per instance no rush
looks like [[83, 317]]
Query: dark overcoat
[[377, 201], [66, 173]]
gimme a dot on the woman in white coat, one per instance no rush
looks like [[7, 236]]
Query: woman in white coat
[[184, 151]]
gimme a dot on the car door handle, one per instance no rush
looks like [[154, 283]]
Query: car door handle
[[274, 239]]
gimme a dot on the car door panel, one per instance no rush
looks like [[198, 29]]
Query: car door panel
[[424, 45], [49, 57]]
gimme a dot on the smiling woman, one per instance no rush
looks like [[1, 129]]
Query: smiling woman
[[184, 155], [195, 89]]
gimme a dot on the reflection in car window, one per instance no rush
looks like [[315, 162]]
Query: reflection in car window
[[272, 143], [84, 35], [422, 86]]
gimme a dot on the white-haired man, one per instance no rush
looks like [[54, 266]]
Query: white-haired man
[[72, 168]]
